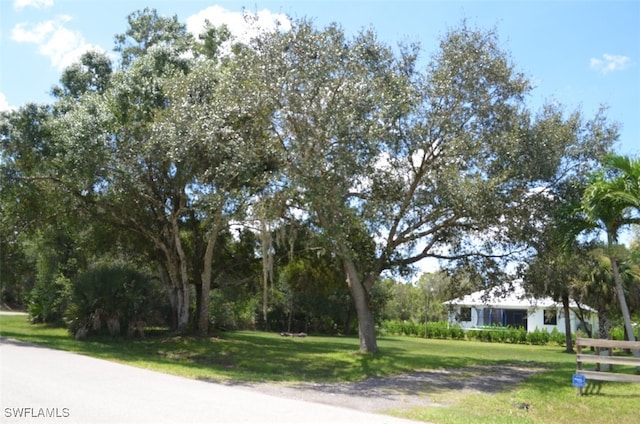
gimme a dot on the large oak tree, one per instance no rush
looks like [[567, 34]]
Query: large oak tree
[[445, 162]]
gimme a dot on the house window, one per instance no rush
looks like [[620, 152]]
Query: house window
[[550, 317], [465, 314], [516, 318], [493, 317]]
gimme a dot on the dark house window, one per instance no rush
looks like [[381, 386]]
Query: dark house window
[[550, 317], [465, 314], [516, 318], [493, 317]]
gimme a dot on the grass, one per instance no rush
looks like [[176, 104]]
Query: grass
[[255, 356]]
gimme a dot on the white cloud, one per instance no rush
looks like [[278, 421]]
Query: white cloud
[[609, 63], [54, 40], [36, 4], [4, 104], [239, 26]]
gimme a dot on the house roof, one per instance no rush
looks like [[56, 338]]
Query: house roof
[[508, 296]]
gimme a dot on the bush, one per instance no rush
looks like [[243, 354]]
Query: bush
[[434, 330], [107, 298], [402, 328], [617, 333], [414, 329], [498, 334], [490, 334], [438, 330], [538, 337], [47, 301], [557, 337], [456, 332]]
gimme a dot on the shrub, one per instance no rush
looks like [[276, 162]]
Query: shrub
[[489, 334], [434, 330], [498, 334], [617, 333], [517, 335], [557, 337], [388, 327], [401, 328], [538, 337], [439, 330], [107, 298], [413, 329], [456, 332], [47, 301]]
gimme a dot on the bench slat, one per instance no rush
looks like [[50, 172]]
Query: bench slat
[[619, 344], [607, 376], [603, 359]]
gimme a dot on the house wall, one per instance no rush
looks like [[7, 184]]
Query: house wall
[[535, 319], [476, 318]]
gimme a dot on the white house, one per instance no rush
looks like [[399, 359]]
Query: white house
[[509, 305]]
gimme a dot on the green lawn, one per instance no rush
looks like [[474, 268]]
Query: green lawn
[[255, 356]]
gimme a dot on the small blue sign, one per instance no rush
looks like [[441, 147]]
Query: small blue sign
[[579, 380]]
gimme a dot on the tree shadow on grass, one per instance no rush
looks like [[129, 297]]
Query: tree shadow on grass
[[485, 379]]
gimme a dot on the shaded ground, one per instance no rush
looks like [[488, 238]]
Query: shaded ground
[[401, 391]]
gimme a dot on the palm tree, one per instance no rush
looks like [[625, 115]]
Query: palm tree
[[611, 202], [628, 173], [595, 284]]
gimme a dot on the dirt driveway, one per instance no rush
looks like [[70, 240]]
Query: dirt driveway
[[400, 391]]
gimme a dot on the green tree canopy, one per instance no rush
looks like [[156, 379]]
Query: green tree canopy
[[445, 163], [386, 161]]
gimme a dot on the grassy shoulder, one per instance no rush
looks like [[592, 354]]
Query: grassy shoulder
[[254, 356]]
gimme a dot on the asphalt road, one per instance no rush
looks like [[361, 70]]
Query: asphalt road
[[41, 385]]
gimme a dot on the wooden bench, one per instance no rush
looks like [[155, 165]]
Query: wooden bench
[[603, 356]]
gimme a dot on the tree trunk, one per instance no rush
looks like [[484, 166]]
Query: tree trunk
[[183, 298], [179, 300], [290, 320], [198, 300], [205, 286], [181, 276], [171, 295], [623, 303], [178, 289], [567, 323], [366, 323], [603, 323], [267, 269]]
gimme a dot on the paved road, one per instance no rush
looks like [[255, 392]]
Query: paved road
[[48, 386]]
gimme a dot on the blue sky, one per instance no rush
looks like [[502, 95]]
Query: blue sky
[[579, 53]]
